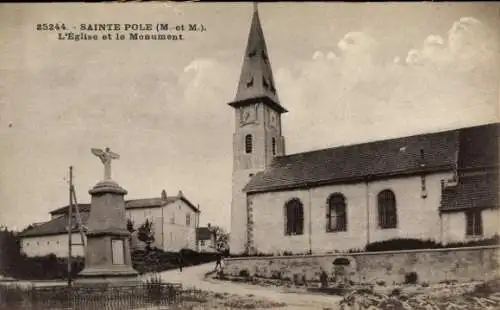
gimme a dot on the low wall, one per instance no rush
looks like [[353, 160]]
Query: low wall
[[431, 266]]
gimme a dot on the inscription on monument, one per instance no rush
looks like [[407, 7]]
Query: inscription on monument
[[118, 252]]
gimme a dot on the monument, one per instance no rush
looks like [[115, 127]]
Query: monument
[[107, 251]]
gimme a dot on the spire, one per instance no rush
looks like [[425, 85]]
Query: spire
[[256, 78]]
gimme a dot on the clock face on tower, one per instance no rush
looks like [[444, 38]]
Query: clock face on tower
[[248, 115]]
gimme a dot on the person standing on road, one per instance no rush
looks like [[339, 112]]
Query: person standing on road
[[180, 261], [218, 262]]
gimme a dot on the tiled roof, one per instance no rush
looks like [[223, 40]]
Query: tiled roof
[[133, 204], [377, 159], [477, 190], [203, 233], [82, 207], [148, 202], [53, 227], [479, 147]]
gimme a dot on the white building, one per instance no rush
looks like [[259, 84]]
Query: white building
[[205, 239], [174, 219]]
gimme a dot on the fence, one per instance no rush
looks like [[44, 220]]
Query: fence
[[95, 297]]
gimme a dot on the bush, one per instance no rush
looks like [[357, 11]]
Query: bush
[[395, 292], [415, 244], [156, 260], [47, 267]]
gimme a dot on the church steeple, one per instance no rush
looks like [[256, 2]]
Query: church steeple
[[256, 79]]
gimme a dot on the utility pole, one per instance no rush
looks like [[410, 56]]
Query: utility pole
[[70, 222]]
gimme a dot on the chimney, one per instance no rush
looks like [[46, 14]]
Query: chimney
[[180, 194], [208, 225], [163, 195]]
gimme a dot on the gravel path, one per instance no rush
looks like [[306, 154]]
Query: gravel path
[[195, 277]]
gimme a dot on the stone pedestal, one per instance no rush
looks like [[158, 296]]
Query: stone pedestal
[[107, 252]]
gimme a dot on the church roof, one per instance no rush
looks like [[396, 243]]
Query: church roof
[[437, 151], [134, 204], [256, 78], [477, 190], [53, 227]]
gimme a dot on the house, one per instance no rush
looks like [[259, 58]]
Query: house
[[174, 219], [441, 186], [205, 239]]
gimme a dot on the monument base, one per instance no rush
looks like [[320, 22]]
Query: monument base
[[117, 276]]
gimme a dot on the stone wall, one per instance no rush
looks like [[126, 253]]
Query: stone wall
[[431, 266]]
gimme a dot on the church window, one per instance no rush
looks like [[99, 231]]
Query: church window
[[273, 141], [188, 219], [294, 217], [336, 213], [248, 144], [474, 223], [387, 213]]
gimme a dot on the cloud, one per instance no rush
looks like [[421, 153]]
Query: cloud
[[469, 45], [443, 82]]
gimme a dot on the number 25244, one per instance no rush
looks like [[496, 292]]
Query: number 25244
[[50, 27]]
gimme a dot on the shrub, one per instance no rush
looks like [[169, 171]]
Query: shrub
[[276, 275], [47, 267], [395, 292], [415, 244], [411, 278], [400, 244]]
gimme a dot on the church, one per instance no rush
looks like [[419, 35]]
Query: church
[[441, 186]]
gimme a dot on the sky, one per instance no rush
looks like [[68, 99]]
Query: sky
[[346, 72]]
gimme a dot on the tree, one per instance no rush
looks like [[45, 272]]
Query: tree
[[10, 253], [130, 226], [145, 233], [221, 239]]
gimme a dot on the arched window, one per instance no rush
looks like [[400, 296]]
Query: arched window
[[387, 213], [294, 217], [273, 142], [248, 144], [336, 213]]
